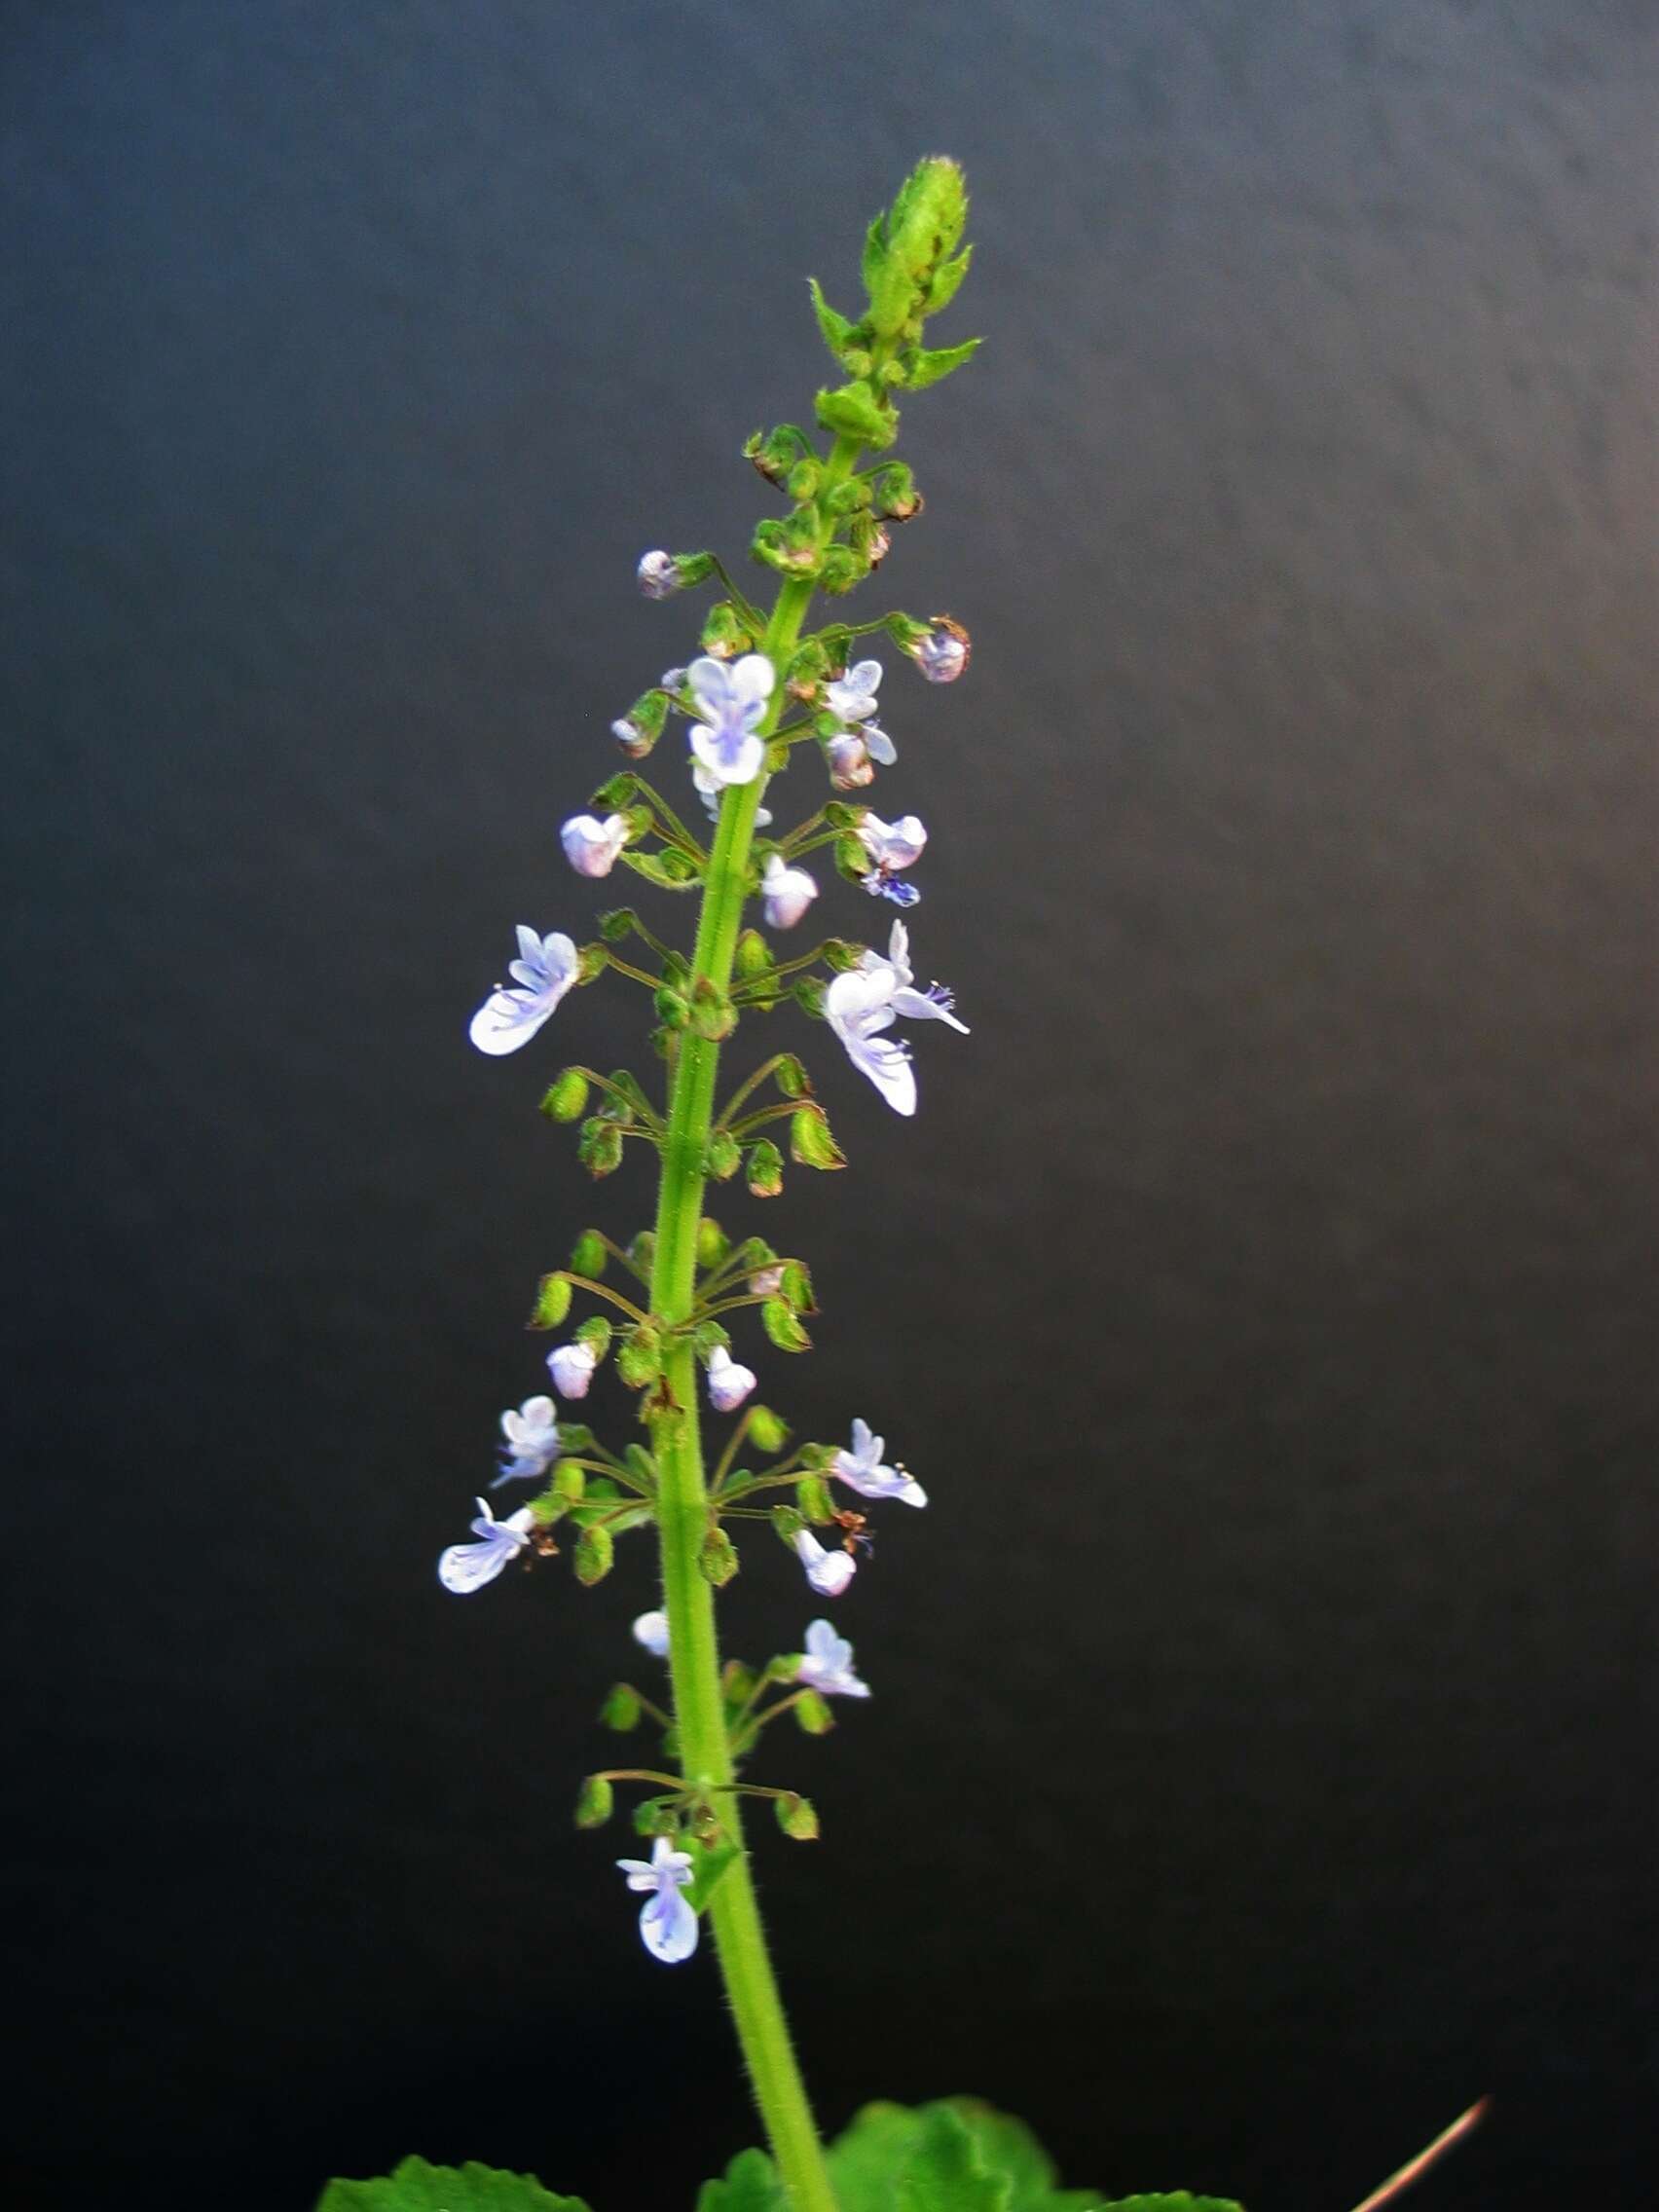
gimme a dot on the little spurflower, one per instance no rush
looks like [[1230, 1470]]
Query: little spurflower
[[862, 1470], [543, 972], [532, 1441], [893, 847], [851, 699], [829, 1573], [572, 1367], [465, 1567], [861, 1004], [786, 893], [710, 790], [729, 1381], [733, 702], [942, 654], [827, 1665], [591, 846], [668, 1926]]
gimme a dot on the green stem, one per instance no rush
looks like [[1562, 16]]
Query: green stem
[[683, 1501]]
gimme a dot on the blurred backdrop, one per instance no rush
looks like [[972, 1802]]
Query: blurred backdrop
[[1260, 1763]]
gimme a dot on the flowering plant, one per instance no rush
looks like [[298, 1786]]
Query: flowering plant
[[765, 694]]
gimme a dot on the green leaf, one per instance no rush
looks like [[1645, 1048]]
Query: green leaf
[[708, 1862], [889, 2146], [927, 364], [750, 2184], [417, 2187], [834, 329], [947, 280], [854, 412], [1176, 2201]]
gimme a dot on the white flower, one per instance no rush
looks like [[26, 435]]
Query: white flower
[[786, 893], [829, 1573], [532, 1441], [942, 654], [668, 1926], [863, 1002], [892, 846], [732, 702], [465, 1567], [658, 575], [544, 970], [852, 697], [852, 701], [572, 1368], [827, 1664], [729, 1381], [862, 1470], [652, 1630], [591, 846], [710, 789]]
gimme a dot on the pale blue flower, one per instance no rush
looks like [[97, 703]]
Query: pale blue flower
[[852, 701], [862, 1470], [465, 1567], [668, 1926], [786, 893], [942, 654], [657, 575], [829, 1573], [863, 1003], [591, 846], [893, 846], [532, 1441], [544, 970], [572, 1367], [729, 1381], [827, 1665], [733, 702], [651, 1631]]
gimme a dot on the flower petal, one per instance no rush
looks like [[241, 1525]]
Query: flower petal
[[668, 1928]]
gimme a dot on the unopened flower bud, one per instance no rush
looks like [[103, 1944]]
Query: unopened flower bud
[[813, 1716], [552, 1303], [850, 764], [729, 1381], [638, 1355], [942, 653], [797, 1817], [591, 846], [642, 1250], [713, 1242], [812, 1495], [712, 1014], [658, 575], [594, 1802], [588, 1255], [786, 893], [594, 1555], [725, 1156], [599, 1147], [716, 1558], [566, 1097], [572, 1367], [765, 1169], [620, 1713], [767, 1431]]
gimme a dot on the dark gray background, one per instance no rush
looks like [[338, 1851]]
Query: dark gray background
[[1261, 1764]]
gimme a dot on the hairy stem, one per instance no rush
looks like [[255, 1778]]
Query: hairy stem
[[682, 1504]]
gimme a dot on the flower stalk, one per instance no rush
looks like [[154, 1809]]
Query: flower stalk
[[683, 1501]]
